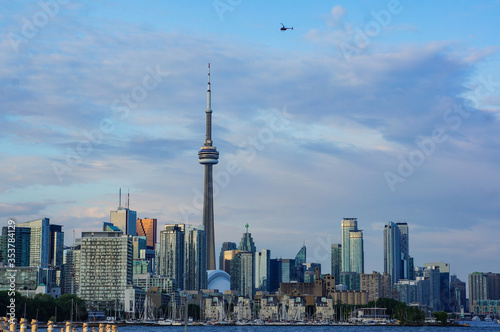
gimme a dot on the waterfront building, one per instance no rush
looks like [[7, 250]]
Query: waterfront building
[[376, 285], [209, 156], [105, 269], [348, 225], [269, 307], [147, 227], [39, 241], [262, 270], [195, 258], [225, 247], [324, 309], [406, 291], [356, 251], [243, 274], [336, 260], [243, 309], [171, 253], [22, 236]]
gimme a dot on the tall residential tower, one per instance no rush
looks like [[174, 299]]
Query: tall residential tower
[[209, 156]]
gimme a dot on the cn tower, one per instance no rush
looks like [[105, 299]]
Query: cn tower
[[209, 156]]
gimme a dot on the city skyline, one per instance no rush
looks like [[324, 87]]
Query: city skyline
[[313, 125]]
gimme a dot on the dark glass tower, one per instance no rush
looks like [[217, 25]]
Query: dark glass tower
[[209, 156]]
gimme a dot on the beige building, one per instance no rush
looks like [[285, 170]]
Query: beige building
[[268, 307], [243, 309], [350, 297], [324, 309]]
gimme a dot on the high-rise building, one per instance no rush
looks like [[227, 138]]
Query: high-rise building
[[246, 243], [483, 286], [457, 295], [147, 227], [287, 270], [195, 258], [356, 251], [493, 286], [397, 260], [348, 225], [171, 253], [56, 245], [243, 274], [105, 269], [39, 241], [71, 261], [336, 261], [300, 260], [124, 219], [225, 247], [22, 236], [262, 270], [228, 257], [209, 156], [139, 244], [440, 293]]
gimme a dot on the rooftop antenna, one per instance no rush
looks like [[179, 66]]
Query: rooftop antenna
[[128, 199], [247, 227], [120, 199]]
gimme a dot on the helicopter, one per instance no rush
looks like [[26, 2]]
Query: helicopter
[[285, 28]]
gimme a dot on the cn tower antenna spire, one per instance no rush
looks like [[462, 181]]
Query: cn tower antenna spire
[[208, 157]]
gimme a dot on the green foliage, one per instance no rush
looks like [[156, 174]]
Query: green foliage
[[441, 316], [43, 306], [389, 304]]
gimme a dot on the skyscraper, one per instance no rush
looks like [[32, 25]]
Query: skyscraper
[[22, 246], [171, 253], [105, 269], [56, 245], [225, 247], [209, 156], [39, 241], [356, 251], [348, 224], [336, 261], [195, 258], [246, 243], [243, 274], [397, 261], [262, 270], [300, 260], [147, 227], [124, 218]]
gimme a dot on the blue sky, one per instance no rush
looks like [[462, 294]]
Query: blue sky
[[380, 110]]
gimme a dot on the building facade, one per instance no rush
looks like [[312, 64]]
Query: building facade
[[105, 269], [39, 241], [195, 258], [171, 253], [148, 227], [348, 225], [336, 259]]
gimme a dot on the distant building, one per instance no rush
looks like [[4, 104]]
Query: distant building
[[225, 247], [376, 285], [246, 243], [356, 251], [397, 261], [22, 236], [458, 302], [171, 253], [105, 269], [39, 241], [262, 270], [348, 225], [71, 263], [228, 257], [147, 227], [56, 244], [125, 220], [482, 287], [444, 284], [243, 274], [195, 258], [336, 261], [300, 260]]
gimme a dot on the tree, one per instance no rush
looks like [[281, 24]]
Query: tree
[[441, 316], [64, 308]]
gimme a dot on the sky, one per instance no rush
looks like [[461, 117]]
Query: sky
[[376, 110]]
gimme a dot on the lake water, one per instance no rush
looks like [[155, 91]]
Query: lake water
[[475, 326]]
